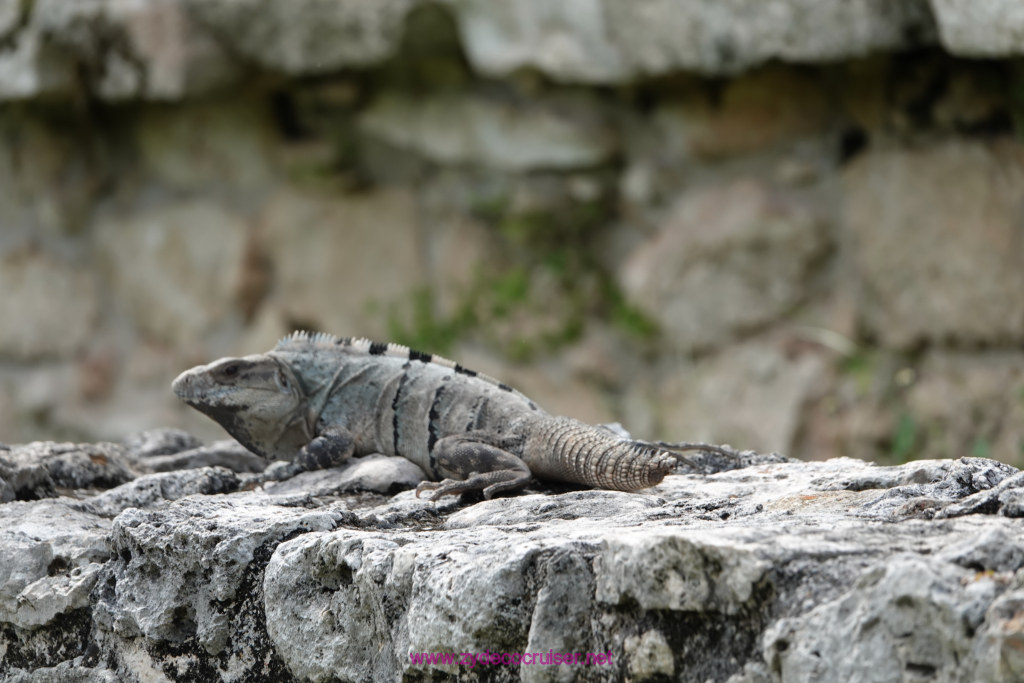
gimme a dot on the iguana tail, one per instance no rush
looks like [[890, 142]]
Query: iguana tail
[[568, 450]]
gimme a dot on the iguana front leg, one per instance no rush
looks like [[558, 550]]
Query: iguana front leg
[[330, 448], [472, 464]]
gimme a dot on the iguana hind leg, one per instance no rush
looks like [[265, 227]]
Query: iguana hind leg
[[469, 464]]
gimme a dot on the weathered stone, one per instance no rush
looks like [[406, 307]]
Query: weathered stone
[[726, 261], [176, 282], [306, 36], [162, 53], [153, 442], [327, 255], [377, 473], [1003, 497], [991, 384], [121, 49], [183, 565], [920, 222], [650, 656], [28, 396], [567, 40], [225, 453], [52, 555], [980, 29], [789, 556], [65, 672], [750, 396], [11, 13], [719, 37], [198, 145], [996, 655], [153, 491], [452, 129], [27, 67], [561, 618], [37, 470], [916, 617], [48, 180], [167, 49], [751, 114], [618, 40], [55, 305]]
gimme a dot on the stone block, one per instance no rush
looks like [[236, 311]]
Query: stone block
[[52, 306], [936, 238], [469, 130], [727, 260], [981, 29], [176, 269], [341, 264]]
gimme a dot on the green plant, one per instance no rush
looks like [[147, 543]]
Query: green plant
[[860, 367], [981, 448], [904, 438], [425, 329]]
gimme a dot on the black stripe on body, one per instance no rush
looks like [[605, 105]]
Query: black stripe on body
[[378, 348], [504, 387], [474, 414], [433, 428], [394, 408], [465, 371], [420, 356], [481, 411]]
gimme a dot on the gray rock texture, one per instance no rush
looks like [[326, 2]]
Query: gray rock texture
[[779, 571], [788, 225], [615, 40], [740, 253], [980, 29], [168, 49], [306, 36], [557, 135], [901, 267]]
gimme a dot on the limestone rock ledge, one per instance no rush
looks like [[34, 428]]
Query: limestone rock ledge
[[170, 49], [779, 571]]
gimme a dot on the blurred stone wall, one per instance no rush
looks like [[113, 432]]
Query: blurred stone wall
[[791, 225]]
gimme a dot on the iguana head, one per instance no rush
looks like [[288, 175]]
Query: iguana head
[[257, 399]]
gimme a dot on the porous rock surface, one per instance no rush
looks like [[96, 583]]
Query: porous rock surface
[[168, 49], [777, 571]]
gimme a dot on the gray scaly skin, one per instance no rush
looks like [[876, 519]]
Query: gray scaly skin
[[317, 400]]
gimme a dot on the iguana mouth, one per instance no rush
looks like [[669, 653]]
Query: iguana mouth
[[192, 392], [182, 386]]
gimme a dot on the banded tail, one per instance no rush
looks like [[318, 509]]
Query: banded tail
[[568, 450]]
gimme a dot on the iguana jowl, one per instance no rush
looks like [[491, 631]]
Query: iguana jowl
[[319, 399]]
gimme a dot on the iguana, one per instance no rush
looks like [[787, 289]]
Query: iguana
[[317, 399]]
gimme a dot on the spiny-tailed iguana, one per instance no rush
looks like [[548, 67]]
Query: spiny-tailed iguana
[[317, 399]]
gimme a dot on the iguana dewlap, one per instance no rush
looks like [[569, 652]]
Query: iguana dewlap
[[318, 399]]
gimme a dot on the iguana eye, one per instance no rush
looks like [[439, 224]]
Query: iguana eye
[[231, 370]]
